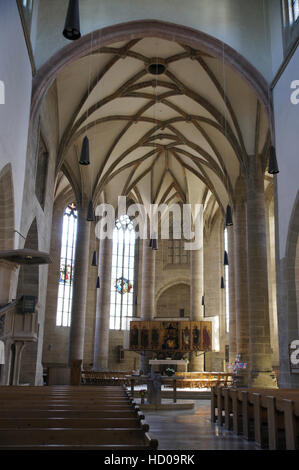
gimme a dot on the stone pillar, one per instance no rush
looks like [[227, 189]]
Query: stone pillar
[[196, 293], [101, 338], [147, 293], [77, 329], [261, 374], [232, 297], [19, 347], [241, 278]]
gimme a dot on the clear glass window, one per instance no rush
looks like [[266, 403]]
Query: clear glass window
[[66, 273], [122, 278]]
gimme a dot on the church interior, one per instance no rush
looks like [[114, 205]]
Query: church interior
[[149, 248]]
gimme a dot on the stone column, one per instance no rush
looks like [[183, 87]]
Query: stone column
[[19, 347], [232, 297], [101, 338], [196, 293], [261, 374], [241, 278], [147, 292], [77, 329]]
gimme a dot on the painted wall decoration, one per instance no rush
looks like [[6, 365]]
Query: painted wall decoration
[[171, 336]]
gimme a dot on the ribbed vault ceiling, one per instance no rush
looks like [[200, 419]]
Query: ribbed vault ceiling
[[183, 135]]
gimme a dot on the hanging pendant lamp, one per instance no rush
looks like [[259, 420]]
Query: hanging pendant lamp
[[225, 262], [98, 282], [222, 283], [94, 259], [228, 217], [273, 166], [84, 158], [72, 22], [90, 213], [154, 244]]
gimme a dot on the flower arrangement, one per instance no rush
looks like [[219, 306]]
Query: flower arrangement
[[169, 371], [235, 366]]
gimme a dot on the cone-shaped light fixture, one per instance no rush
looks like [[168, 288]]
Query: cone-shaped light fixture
[[84, 158], [225, 262], [273, 167], [154, 244], [98, 282], [72, 22], [94, 259], [228, 217], [222, 283], [90, 213]]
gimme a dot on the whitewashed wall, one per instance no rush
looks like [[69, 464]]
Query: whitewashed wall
[[287, 147], [15, 72], [241, 24]]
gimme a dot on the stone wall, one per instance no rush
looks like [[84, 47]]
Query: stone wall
[[173, 300], [172, 293]]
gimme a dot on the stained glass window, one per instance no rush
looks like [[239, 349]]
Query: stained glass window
[[122, 278], [67, 257]]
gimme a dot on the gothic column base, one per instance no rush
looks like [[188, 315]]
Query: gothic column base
[[262, 379]]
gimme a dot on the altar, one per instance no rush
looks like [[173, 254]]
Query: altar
[[180, 364]]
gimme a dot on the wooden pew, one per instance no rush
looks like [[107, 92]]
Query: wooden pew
[[34, 414], [97, 423], [64, 418], [291, 423], [269, 416], [125, 438]]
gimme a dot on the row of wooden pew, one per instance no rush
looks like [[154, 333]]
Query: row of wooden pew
[[66, 417], [204, 379], [268, 416], [89, 377]]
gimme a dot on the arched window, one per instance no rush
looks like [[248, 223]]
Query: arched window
[[122, 278], [67, 257], [226, 281]]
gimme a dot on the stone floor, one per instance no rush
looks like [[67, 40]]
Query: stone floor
[[192, 430]]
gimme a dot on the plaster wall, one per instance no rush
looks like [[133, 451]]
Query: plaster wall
[[15, 73], [287, 142], [241, 24]]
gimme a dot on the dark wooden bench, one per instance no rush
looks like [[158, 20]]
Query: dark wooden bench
[[65, 418], [269, 416], [81, 438]]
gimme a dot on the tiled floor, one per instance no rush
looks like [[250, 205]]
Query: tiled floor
[[192, 430]]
